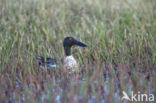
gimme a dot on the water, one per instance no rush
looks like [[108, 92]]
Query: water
[[99, 92]]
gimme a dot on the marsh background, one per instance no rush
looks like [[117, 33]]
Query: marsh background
[[121, 52]]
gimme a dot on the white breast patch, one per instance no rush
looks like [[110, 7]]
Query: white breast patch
[[70, 63]]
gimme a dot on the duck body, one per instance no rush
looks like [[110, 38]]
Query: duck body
[[69, 61]]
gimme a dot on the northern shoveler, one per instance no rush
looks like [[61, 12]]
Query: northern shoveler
[[69, 61]]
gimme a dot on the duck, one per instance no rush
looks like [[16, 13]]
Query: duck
[[69, 62]]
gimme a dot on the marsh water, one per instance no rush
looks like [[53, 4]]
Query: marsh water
[[70, 89]]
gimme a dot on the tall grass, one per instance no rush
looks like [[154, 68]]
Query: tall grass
[[121, 54]]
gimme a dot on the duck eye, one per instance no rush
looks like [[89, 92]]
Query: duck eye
[[70, 38]]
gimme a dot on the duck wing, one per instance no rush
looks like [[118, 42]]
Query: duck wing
[[46, 62]]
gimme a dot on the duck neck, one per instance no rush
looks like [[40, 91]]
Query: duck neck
[[67, 50]]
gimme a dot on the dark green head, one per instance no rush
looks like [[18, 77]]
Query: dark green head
[[68, 42]]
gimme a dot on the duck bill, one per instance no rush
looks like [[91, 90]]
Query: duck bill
[[81, 44]]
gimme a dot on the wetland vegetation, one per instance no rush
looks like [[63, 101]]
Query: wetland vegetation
[[121, 52]]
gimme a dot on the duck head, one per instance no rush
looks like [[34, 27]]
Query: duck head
[[68, 42]]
